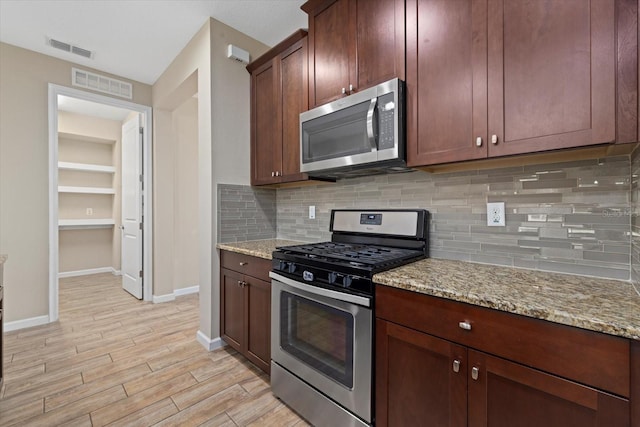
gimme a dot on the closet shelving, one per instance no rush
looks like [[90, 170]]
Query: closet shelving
[[100, 164]]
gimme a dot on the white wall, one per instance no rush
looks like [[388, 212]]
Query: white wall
[[223, 145], [24, 176]]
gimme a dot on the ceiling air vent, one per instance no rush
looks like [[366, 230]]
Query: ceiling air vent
[[93, 81], [69, 48]]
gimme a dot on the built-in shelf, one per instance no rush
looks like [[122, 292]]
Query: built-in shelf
[[74, 224], [85, 138], [86, 190], [85, 167]]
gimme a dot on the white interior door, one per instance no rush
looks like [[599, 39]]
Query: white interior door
[[132, 207]]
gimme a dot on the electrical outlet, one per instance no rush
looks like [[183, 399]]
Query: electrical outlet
[[495, 214], [312, 212], [89, 211]]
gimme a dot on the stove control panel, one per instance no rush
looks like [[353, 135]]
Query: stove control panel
[[371, 219]]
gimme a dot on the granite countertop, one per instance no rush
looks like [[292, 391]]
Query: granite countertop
[[3, 258], [601, 305], [257, 248]]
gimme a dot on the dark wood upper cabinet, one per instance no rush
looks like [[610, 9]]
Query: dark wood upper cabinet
[[446, 81], [490, 78], [551, 79], [279, 93], [353, 45]]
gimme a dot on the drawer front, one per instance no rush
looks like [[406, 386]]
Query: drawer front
[[246, 264], [592, 358]]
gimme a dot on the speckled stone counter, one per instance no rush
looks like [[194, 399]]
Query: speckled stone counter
[[600, 305], [257, 248]]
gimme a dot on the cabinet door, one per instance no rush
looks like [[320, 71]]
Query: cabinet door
[[380, 34], [446, 81], [232, 309], [416, 382], [507, 394], [295, 99], [266, 129], [551, 79], [258, 320], [331, 48]]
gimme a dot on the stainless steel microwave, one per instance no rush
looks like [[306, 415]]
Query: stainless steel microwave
[[360, 134]]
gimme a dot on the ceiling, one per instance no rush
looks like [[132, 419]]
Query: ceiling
[[138, 39]]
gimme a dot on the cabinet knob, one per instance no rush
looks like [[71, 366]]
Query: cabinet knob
[[474, 373], [344, 90], [277, 173], [350, 88], [239, 283], [465, 325], [243, 263], [456, 366], [494, 139], [273, 173], [479, 141]]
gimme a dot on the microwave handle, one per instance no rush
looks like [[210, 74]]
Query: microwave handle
[[370, 134]]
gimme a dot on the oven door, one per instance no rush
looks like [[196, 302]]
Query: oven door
[[324, 341]]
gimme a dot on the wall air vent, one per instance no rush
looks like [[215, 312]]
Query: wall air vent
[[70, 48], [93, 81]]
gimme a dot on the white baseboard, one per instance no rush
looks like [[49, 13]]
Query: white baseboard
[[25, 323], [116, 272], [157, 299], [86, 272], [208, 343], [176, 293], [186, 291]]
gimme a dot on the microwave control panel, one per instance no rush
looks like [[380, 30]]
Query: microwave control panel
[[386, 111]]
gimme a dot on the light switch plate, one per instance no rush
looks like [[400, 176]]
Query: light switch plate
[[312, 212], [495, 214]]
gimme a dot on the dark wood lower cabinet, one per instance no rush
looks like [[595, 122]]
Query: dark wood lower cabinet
[[428, 380], [415, 380], [507, 394], [245, 307]]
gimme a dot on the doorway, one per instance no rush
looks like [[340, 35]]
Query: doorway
[[86, 204]]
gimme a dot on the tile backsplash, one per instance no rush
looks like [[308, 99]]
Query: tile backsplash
[[571, 217], [635, 221], [245, 213]]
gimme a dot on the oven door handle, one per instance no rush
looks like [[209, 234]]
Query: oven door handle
[[328, 293]]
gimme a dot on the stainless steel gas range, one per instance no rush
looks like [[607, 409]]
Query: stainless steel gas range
[[322, 312]]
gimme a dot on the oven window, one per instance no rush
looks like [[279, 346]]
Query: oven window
[[318, 335]]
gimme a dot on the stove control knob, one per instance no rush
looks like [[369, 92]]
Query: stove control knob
[[292, 267], [332, 277], [346, 282], [282, 265]]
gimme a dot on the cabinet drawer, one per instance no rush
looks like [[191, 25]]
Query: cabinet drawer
[[592, 358], [246, 264]]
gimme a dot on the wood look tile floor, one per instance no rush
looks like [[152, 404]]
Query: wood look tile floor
[[113, 360]]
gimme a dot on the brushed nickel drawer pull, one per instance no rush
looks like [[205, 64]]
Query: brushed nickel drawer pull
[[474, 373], [465, 325], [456, 366]]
